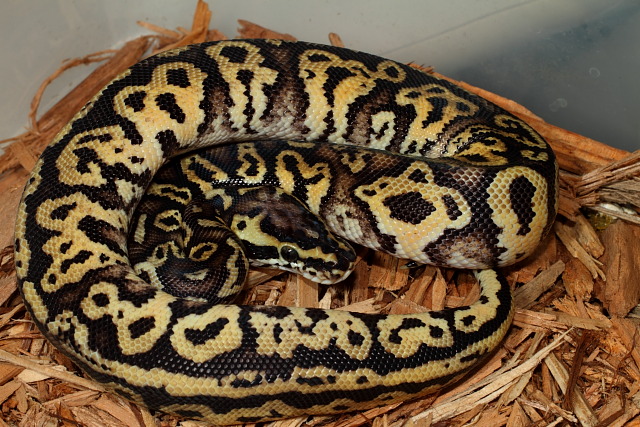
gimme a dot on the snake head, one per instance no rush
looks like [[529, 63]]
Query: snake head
[[277, 230]]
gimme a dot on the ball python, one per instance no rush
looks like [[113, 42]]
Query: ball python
[[468, 186]]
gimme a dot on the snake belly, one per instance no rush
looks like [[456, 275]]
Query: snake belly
[[230, 364]]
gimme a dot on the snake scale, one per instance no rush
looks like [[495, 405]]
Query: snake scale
[[365, 149]]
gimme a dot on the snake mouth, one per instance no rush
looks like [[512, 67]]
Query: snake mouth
[[327, 272], [315, 269], [327, 278]]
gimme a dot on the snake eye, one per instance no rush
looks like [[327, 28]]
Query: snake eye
[[289, 254]]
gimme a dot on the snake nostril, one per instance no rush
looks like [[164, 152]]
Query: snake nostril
[[330, 265], [350, 256]]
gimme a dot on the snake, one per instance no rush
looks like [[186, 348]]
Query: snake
[[289, 151]]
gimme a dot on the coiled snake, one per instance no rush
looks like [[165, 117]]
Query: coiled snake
[[469, 186]]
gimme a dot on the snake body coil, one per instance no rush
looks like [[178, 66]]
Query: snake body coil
[[444, 178]]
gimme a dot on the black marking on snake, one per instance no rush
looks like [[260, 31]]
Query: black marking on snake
[[462, 107], [436, 331], [145, 276], [168, 141], [178, 193], [102, 232], [363, 72], [135, 100], [435, 114], [245, 77], [412, 147], [237, 383], [302, 183], [453, 211], [409, 207], [104, 137], [318, 57], [201, 251], [362, 380], [470, 357], [305, 329], [277, 332], [252, 213], [254, 164], [382, 131], [521, 193], [85, 157], [101, 299], [141, 326], [178, 77], [167, 102], [336, 76], [273, 311], [407, 323], [211, 331], [468, 320], [392, 72], [159, 252], [427, 147], [418, 176], [330, 127], [235, 54], [61, 212], [206, 104], [355, 338], [435, 90], [170, 221], [316, 315], [312, 381]]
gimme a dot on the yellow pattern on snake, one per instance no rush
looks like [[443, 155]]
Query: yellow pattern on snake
[[387, 157]]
